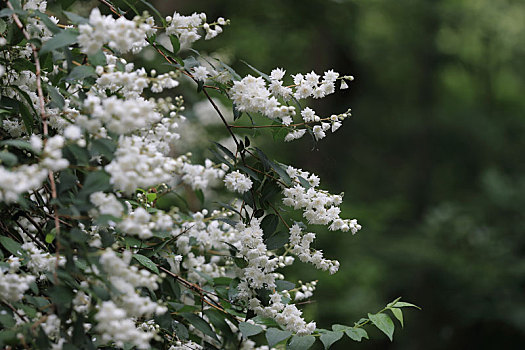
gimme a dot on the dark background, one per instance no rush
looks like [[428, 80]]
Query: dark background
[[431, 161]]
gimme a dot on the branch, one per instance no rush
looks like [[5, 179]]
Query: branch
[[43, 116]]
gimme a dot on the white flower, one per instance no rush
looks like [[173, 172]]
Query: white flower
[[318, 132], [344, 85], [277, 74], [72, 132], [236, 181], [107, 204], [294, 135], [308, 114], [200, 73]]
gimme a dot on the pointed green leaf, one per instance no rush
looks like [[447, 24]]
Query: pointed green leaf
[[96, 181], [384, 323], [146, 262], [356, 333], [398, 314], [200, 324], [405, 304], [277, 240], [330, 337], [281, 285], [275, 336], [8, 158], [62, 39], [248, 329], [81, 72], [12, 246], [301, 342]]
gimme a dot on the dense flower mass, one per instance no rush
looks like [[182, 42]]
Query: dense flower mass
[[114, 235], [120, 34]]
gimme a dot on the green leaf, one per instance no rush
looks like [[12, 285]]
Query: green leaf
[[180, 329], [269, 224], [200, 324], [265, 76], [81, 72], [171, 200], [175, 43], [225, 151], [404, 304], [281, 285], [75, 19], [275, 336], [276, 241], [248, 329], [12, 246], [398, 314], [56, 98], [240, 262], [330, 337], [97, 59], [200, 195], [8, 158], [104, 147], [96, 181], [47, 21], [384, 323], [282, 173], [76, 154], [236, 113], [356, 333], [17, 144], [301, 342], [50, 237], [3, 26], [146, 262], [62, 39]]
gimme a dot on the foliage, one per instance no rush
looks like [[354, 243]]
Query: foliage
[[111, 236], [431, 158]]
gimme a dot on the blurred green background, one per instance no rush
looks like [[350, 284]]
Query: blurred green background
[[431, 162]]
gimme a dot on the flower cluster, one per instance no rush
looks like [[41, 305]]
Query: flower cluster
[[139, 164], [114, 315], [13, 285], [319, 207], [251, 95], [27, 177], [120, 34], [238, 182], [117, 235], [186, 28]]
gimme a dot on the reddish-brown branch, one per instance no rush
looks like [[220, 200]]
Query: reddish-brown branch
[[43, 116]]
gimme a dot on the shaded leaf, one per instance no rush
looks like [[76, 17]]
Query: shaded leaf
[[12, 246], [248, 329], [8, 158], [62, 39], [81, 72], [301, 342], [275, 336], [330, 337], [276, 241], [200, 324], [284, 285], [356, 333], [405, 304], [146, 262], [384, 323], [398, 314]]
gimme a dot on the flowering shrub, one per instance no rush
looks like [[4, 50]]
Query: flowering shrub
[[113, 237]]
